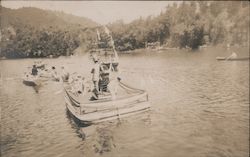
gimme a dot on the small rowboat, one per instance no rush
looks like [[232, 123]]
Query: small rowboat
[[31, 80], [232, 59], [132, 101]]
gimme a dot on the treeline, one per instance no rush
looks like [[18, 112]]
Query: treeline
[[27, 41], [49, 36], [32, 32], [189, 24]]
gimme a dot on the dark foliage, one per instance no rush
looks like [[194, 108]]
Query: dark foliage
[[31, 32], [191, 24]]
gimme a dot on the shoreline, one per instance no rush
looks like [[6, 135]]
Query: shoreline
[[158, 49]]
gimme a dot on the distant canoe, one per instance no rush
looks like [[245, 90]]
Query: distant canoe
[[232, 59], [103, 109]]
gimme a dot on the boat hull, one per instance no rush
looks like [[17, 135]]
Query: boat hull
[[29, 83], [34, 81], [95, 112]]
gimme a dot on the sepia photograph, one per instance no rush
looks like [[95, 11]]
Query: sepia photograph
[[124, 78]]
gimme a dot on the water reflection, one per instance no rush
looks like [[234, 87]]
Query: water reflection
[[76, 124], [99, 138]]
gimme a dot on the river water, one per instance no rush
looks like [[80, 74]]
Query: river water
[[199, 108]]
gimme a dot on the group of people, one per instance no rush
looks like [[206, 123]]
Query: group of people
[[64, 76], [105, 78]]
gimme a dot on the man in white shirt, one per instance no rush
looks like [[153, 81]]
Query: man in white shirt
[[96, 74]]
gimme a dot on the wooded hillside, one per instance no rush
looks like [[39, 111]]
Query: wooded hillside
[[189, 24], [32, 32]]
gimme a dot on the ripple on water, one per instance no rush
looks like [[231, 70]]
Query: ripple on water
[[199, 108]]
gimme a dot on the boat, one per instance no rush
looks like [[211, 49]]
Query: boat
[[133, 101], [90, 105], [31, 80], [232, 59]]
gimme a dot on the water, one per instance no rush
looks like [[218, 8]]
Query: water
[[200, 108]]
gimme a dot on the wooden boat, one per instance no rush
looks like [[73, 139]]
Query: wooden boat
[[130, 102], [31, 80], [232, 59], [126, 102]]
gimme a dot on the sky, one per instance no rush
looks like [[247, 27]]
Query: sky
[[102, 12]]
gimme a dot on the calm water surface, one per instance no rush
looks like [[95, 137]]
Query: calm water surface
[[200, 108]]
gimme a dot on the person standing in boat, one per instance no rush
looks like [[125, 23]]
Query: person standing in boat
[[96, 73], [95, 78]]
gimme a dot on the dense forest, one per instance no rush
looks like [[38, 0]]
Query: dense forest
[[32, 32], [188, 24]]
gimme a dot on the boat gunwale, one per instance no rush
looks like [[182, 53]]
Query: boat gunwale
[[82, 117], [101, 103]]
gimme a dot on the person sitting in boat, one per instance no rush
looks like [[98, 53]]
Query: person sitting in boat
[[94, 95], [64, 75], [78, 85], [54, 74], [232, 56], [114, 78], [34, 71]]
